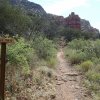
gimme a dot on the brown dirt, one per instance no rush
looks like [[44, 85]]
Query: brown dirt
[[69, 81]]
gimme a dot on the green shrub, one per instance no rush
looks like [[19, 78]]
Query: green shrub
[[93, 76], [95, 60], [89, 47], [77, 57], [44, 48], [94, 86], [97, 68], [86, 65], [86, 46], [96, 96], [87, 52], [51, 62], [68, 51], [77, 44], [97, 48], [19, 54]]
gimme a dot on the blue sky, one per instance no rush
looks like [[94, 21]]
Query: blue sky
[[86, 9]]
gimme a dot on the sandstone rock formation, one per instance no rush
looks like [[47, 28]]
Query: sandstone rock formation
[[73, 21]]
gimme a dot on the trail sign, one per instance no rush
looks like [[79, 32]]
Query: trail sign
[[3, 42]]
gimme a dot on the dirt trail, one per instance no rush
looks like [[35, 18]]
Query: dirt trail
[[68, 86]]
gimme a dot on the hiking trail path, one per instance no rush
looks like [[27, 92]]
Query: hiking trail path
[[69, 81]]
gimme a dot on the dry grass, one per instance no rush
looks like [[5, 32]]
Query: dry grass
[[38, 85]]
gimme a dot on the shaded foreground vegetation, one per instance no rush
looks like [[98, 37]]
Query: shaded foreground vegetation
[[85, 55], [30, 69]]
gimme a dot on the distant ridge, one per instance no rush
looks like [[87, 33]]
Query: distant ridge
[[29, 6], [33, 8]]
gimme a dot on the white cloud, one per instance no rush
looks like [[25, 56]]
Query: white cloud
[[60, 6]]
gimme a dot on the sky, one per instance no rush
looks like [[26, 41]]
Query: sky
[[86, 9]]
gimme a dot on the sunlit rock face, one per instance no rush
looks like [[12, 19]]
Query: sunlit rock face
[[73, 21]]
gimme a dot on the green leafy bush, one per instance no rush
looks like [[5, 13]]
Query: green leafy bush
[[89, 47], [51, 63], [97, 48], [77, 44], [94, 80], [19, 54], [93, 76], [76, 57], [44, 48], [86, 46], [86, 65]]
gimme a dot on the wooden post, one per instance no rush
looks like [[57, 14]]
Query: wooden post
[[2, 78], [3, 42]]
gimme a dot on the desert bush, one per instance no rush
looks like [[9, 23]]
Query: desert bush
[[19, 54], [51, 62], [89, 47], [89, 51], [97, 68], [86, 54], [94, 80], [97, 48], [86, 65], [77, 44], [68, 51], [93, 76], [77, 57], [96, 96], [44, 48]]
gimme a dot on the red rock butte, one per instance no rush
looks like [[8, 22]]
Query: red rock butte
[[73, 21]]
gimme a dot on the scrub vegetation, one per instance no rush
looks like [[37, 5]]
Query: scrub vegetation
[[85, 55]]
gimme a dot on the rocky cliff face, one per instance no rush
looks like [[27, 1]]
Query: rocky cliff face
[[86, 26], [73, 21], [60, 20]]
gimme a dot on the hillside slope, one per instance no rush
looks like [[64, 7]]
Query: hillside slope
[[33, 8], [29, 6]]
